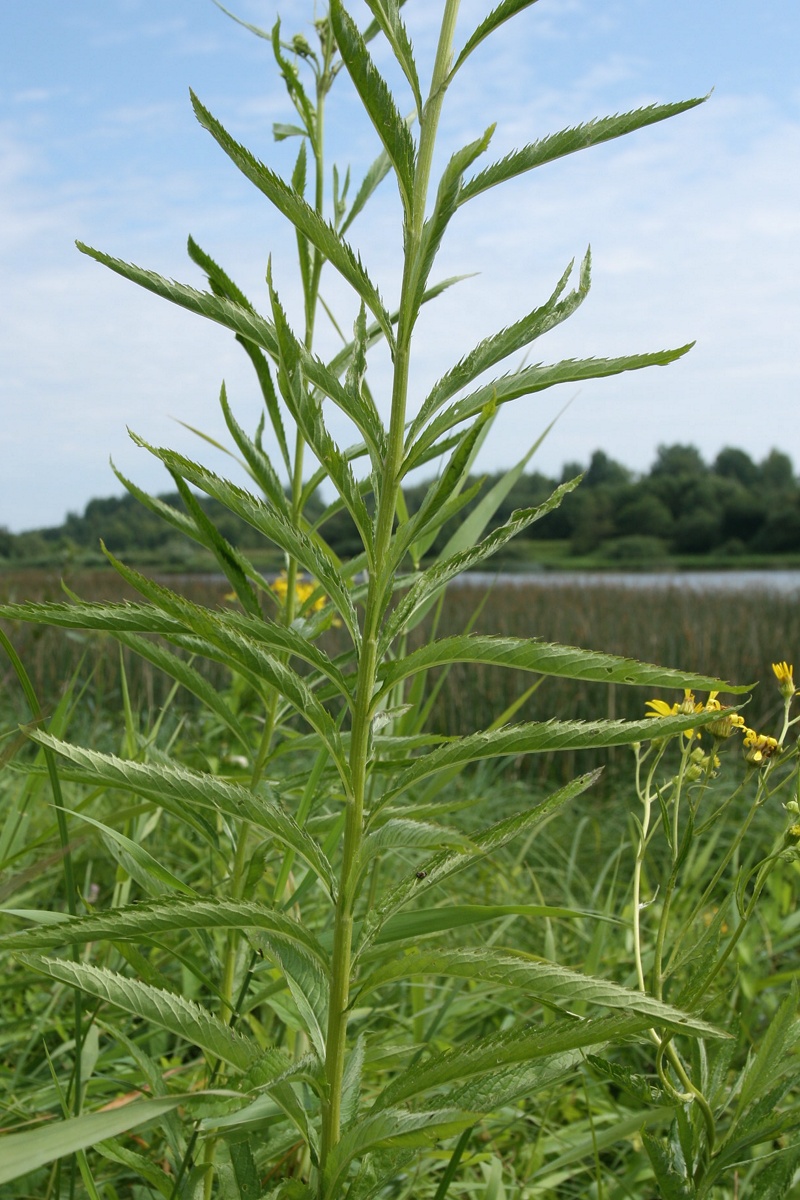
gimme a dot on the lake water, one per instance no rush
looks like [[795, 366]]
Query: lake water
[[785, 582]]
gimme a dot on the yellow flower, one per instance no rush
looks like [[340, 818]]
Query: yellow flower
[[784, 675], [686, 707], [758, 747], [728, 723], [303, 589]]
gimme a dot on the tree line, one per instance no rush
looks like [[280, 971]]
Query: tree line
[[681, 506]]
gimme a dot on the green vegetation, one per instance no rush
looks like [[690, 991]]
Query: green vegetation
[[684, 512], [288, 938]]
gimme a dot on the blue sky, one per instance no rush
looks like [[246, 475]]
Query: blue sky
[[694, 226]]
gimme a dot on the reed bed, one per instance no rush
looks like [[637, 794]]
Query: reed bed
[[733, 635]]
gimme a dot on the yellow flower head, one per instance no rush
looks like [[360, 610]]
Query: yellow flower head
[[303, 589], [758, 747], [728, 723], [784, 675], [686, 707]]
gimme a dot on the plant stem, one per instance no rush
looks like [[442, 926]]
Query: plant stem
[[378, 595]]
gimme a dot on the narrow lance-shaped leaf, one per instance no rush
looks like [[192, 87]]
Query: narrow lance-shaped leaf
[[22, 1153], [226, 554], [259, 463], [179, 789], [486, 842], [377, 100], [503, 12], [387, 15], [431, 581], [476, 521], [516, 1045], [302, 216], [494, 349], [241, 320], [534, 379], [307, 412], [567, 141], [375, 175], [423, 922], [184, 1018], [539, 736], [530, 654], [135, 921], [260, 666], [444, 489], [546, 981], [276, 527], [387, 1128], [444, 208], [221, 282]]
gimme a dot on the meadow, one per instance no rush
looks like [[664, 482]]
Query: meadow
[[354, 884], [563, 893]]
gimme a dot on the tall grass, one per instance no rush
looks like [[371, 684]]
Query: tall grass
[[736, 635]]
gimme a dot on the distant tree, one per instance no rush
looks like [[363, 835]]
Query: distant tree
[[731, 463], [777, 472], [781, 532], [605, 471], [678, 460], [644, 515], [697, 532]]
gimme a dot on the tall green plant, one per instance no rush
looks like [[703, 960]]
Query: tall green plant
[[317, 1084]]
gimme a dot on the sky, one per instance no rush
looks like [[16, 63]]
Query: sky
[[694, 226]]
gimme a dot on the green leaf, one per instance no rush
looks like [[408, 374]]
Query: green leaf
[[179, 789], [567, 141], [494, 349], [183, 1018], [391, 1127], [423, 922], [521, 1044], [779, 1040], [528, 381], [530, 654], [188, 677], [486, 842], [21, 1153], [261, 368], [250, 659], [272, 524], [537, 736], [444, 208], [233, 316], [221, 282], [135, 921], [399, 832], [443, 490], [775, 1180], [377, 100], [435, 578], [308, 983], [672, 1184], [261, 468], [546, 981], [307, 413], [302, 216], [387, 15], [136, 860], [503, 12], [375, 175]]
